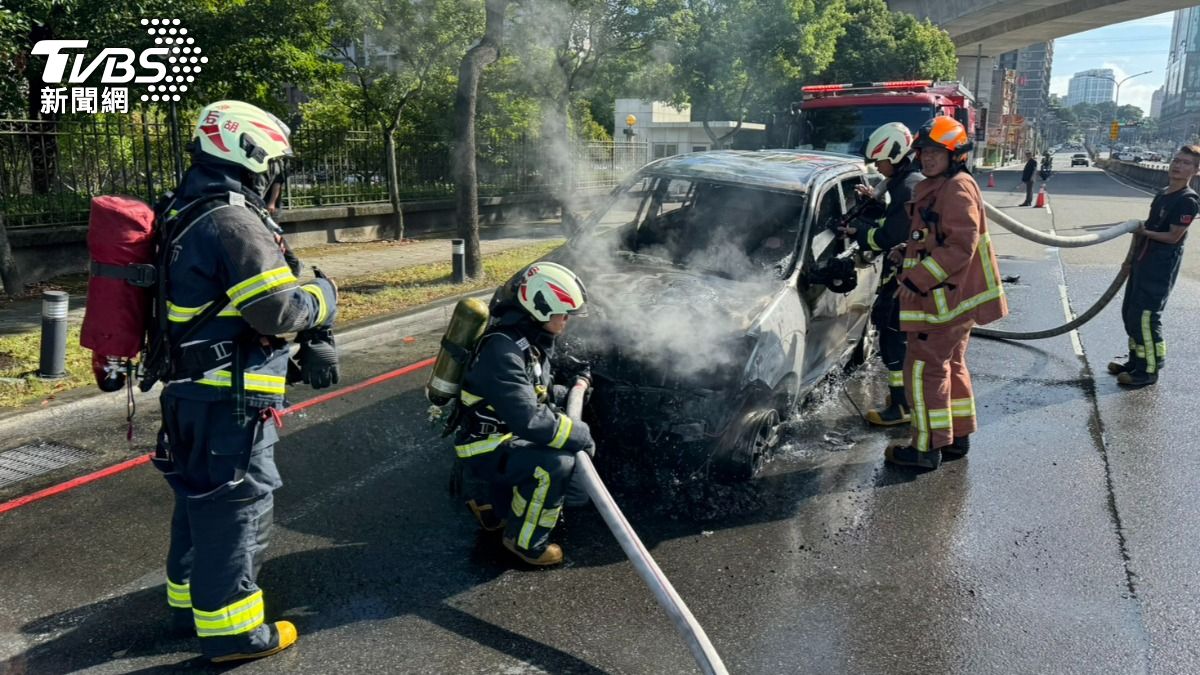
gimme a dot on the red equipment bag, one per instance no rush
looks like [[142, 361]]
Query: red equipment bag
[[121, 245]]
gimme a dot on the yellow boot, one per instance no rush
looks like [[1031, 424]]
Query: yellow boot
[[553, 554], [287, 637], [894, 414]]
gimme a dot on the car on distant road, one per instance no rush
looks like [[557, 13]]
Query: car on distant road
[[713, 307], [1079, 159]]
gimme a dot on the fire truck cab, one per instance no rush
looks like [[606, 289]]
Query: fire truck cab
[[840, 117]]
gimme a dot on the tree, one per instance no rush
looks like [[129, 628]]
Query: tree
[[482, 53], [733, 56], [565, 46], [886, 45], [395, 48]]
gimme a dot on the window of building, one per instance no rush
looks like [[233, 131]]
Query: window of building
[[665, 150], [699, 148]]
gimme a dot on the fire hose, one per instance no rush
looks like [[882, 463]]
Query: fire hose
[[693, 634], [1048, 239]]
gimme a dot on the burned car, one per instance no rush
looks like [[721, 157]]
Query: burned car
[[712, 310]]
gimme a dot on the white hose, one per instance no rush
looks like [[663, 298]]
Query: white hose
[[1007, 222], [693, 634]]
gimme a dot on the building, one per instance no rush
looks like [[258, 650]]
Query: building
[[1032, 65], [1156, 101], [670, 131], [1005, 127], [1091, 86], [1181, 93]]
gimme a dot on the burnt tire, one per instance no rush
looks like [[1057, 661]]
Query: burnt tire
[[755, 440]]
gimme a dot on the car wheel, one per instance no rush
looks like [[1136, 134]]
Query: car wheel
[[756, 440]]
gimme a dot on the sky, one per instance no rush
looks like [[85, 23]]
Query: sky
[[1127, 48]]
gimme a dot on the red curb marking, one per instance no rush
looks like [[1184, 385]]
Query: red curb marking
[[144, 459]]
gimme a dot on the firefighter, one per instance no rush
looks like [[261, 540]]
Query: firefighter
[[888, 147], [513, 436], [1153, 269], [949, 282], [227, 375]]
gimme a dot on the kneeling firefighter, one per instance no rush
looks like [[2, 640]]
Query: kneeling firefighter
[[949, 282], [225, 297], [516, 442], [888, 147]]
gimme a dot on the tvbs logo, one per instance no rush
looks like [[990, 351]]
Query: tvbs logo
[[167, 69]]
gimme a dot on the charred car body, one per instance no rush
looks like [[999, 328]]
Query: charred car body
[[711, 306]]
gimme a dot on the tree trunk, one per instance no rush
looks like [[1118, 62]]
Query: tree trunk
[[480, 55], [9, 273], [393, 178], [42, 139], [558, 136]]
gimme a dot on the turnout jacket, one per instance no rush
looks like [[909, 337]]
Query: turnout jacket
[[508, 392], [225, 253], [884, 236], [949, 259]]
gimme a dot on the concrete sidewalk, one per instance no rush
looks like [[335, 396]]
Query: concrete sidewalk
[[340, 261]]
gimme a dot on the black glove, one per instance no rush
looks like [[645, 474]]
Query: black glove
[[317, 358]]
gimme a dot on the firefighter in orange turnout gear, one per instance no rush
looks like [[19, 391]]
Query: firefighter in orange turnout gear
[[950, 282]]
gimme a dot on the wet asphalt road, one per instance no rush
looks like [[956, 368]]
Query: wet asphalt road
[[1064, 543]]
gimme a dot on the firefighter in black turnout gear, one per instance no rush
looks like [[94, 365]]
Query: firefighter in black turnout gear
[[889, 148], [1157, 254], [227, 295], [516, 441]]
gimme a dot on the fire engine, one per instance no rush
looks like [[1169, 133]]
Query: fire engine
[[840, 117]]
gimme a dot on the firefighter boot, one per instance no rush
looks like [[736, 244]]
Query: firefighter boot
[[1131, 364], [285, 636], [1136, 379], [895, 413], [909, 456], [553, 554], [486, 515], [958, 448]]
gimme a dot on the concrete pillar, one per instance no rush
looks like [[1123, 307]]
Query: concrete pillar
[[966, 75]]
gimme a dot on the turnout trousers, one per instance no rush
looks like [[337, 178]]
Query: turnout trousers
[[885, 315], [223, 476], [531, 480], [1150, 283], [939, 386]]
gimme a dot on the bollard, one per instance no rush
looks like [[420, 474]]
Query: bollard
[[53, 362], [458, 251]]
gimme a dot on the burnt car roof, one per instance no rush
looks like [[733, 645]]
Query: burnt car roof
[[776, 170]]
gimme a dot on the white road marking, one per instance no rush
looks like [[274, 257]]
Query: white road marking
[[1066, 303]]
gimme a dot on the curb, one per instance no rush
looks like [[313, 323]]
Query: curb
[[99, 405]]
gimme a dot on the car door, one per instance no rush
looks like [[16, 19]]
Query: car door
[[826, 327], [857, 303]]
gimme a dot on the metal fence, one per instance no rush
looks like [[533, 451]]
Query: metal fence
[[49, 170]]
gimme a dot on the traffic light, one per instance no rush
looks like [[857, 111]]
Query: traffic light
[[1115, 131]]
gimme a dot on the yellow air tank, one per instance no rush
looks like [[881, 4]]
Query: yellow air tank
[[467, 324]]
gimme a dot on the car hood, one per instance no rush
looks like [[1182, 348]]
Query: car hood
[[655, 317]]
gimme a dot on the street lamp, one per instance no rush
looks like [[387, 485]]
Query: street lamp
[[1117, 100]]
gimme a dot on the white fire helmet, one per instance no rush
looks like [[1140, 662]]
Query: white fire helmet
[[243, 134], [548, 288], [891, 142]]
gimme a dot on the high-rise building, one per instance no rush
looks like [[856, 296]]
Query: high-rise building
[[1091, 86], [1181, 92], [1032, 64], [1156, 102]]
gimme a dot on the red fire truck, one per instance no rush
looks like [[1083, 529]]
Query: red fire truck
[[839, 117]]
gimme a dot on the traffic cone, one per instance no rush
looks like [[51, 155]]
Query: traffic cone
[[1041, 198], [991, 179]]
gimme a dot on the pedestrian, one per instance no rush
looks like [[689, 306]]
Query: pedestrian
[[229, 296], [1027, 178], [1157, 252], [516, 442], [889, 148], [949, 283]]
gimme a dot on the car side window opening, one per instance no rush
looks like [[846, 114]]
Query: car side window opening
[[822, 242]]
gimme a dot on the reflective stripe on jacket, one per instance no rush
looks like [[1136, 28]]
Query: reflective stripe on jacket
[[952, 261]]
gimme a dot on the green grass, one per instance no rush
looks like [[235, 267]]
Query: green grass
[[361, 298], [376, 294]]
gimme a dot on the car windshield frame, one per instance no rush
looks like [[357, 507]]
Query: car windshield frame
[[638, 197]]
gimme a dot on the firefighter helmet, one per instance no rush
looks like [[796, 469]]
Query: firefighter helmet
[[548, 288], [243, 134], [944, 132], [891, 142]]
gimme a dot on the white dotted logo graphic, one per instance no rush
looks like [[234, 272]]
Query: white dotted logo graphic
[[185, 60]]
